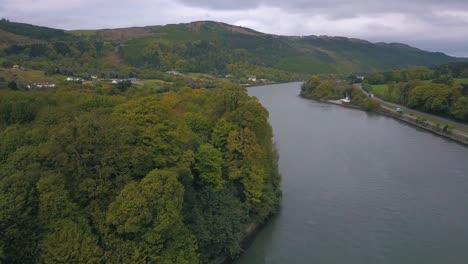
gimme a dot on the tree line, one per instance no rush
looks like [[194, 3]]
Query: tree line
[[331, 88], [433, 90]]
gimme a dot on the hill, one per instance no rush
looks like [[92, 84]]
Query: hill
[[205, 47]]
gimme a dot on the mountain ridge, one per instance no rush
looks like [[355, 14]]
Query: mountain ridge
[[195, 24], [211, 47]]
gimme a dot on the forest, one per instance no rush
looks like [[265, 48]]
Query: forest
[[94, 177]]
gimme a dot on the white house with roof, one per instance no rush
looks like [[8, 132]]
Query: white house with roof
[[253, 78], [44, 85], [175, 73]]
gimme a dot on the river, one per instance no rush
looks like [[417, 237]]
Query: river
[[360, 188]]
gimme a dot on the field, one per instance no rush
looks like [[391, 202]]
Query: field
[[24, 77], [461, 81], [383, 91], [379, 90]]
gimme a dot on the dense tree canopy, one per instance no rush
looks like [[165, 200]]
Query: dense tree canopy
[[169, 178]]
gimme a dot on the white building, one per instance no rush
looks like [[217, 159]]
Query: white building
[[44, 85], [346, 100], [253, 78], [175, 73]]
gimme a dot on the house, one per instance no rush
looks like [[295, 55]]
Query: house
[[78, 80], [16, 67], [43, 85], [253, 78], [175, 73], [115, 81], [346, 100]]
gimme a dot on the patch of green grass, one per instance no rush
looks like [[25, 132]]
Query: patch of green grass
[[461, 81], [200, 76], [152, 84], [24, 76], [379, 90]]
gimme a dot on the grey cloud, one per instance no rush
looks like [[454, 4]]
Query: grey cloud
[[356, 5], [379, 27]]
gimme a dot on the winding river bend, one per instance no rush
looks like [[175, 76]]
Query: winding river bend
[[361, 188]]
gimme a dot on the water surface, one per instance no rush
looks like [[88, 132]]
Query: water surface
[[361, 188]]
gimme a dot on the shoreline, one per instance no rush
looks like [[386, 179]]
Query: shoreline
[[431, 129], [249, 85], [251, 232], [461, 140]]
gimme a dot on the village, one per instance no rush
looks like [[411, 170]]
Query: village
[[18, 70]]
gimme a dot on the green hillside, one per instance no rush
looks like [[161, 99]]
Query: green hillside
[[204, 47], [31, 31]]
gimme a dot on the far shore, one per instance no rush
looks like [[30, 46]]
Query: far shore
[[434, 130]]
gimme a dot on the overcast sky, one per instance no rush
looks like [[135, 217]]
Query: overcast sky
[[436, 25]]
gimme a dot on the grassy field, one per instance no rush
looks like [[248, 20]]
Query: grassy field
[[382, 91], [27, 76], [151, 85], [461, 81], [379, 90]]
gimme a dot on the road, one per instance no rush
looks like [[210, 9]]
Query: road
[[407, 113]]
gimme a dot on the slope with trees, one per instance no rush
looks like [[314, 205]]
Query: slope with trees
[[93, 177], [204, 47]]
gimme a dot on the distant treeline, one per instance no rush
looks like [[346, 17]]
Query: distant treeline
[[433, 90], [30, 30], [447, 71], [329, 88]]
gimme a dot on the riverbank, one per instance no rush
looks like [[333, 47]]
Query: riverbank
[[249, 236], [255, 84], [409, 120], [433, 129]]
